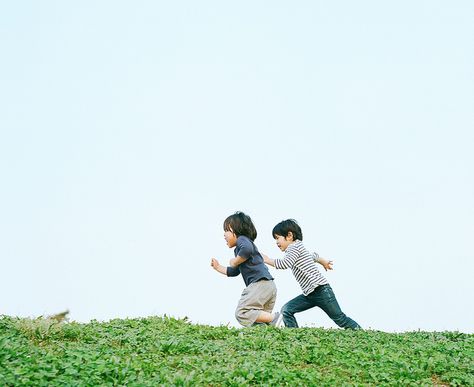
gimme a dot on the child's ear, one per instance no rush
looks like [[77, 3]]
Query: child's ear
[[290, 236]]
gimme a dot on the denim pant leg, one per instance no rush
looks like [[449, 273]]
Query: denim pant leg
[[296, 305], [325, 298]]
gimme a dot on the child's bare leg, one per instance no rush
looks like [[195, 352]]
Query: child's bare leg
[[264, 317]]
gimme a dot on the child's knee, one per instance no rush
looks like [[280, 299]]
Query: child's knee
[[239, 316], [246, 317], [286, 310]]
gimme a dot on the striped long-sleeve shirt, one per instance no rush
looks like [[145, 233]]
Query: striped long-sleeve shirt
[[301, 262]]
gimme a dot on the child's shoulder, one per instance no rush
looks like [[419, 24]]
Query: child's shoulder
[[243, 240], [297, 244], [300, 253], [295, 247]]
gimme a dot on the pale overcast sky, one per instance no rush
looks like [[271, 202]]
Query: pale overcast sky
[[130, 130]]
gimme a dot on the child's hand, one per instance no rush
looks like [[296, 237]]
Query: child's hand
[[214, 263], [268, 260], [325, 263]]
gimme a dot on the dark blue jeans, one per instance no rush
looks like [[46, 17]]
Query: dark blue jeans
[[323, 297]]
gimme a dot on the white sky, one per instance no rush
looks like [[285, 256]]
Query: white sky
[[130, 130]]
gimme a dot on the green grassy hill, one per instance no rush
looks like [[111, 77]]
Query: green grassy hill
[[165, 351]]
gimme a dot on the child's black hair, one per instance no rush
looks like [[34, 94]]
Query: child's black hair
[[240, 224], [285, 226]]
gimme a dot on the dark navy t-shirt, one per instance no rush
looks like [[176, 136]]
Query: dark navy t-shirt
[[253, 269]]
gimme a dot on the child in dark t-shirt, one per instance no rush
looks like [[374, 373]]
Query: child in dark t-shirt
[[258, 298]]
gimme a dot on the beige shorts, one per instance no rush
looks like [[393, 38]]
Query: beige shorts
[[257, 297]]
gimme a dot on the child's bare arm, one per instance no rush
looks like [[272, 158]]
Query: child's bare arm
[[268, 260], [327, 264], [218, 267], [234, 262]]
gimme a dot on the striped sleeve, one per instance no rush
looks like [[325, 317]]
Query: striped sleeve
[[315, 257], [288, 260]]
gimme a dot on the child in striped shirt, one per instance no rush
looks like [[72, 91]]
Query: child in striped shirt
[[316, 289]]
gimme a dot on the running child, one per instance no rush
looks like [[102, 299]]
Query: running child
[[258, 298], [316, 289]]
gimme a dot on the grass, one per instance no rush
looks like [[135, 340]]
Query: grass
[[165, 351]]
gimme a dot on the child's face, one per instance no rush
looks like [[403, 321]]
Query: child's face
[[283, 242], [230, 238]]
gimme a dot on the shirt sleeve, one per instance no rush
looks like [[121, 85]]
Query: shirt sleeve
[[288, 259], [244, 248], [233, 271]]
